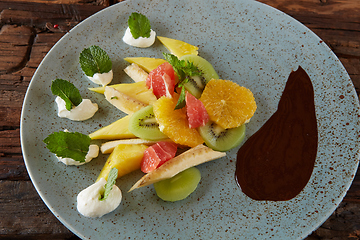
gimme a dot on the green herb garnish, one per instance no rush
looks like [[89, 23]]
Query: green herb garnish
[[139, 25], [68, 145], [184, 70], [111, 180], [67, 91], [94, 60]]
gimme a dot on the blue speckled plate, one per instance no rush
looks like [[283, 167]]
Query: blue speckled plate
[[247, 42]]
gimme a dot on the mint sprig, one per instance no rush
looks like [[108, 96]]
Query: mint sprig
[[183, 69], [139, 25], [67, 91], [94, 60], [111, 180], [68, 145]]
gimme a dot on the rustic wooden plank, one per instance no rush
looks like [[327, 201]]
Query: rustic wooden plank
[[24, 214], [40, 15], [344, 8], [15, 46], [9, 117], [89, 2], [13, 168]]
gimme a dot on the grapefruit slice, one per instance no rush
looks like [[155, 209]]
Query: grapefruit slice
[[157, 154], [195, 111], [162, 80]]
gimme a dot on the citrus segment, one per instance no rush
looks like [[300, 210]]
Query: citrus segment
[[177, 47], [162, 80], [195, 111], [174, 123], [228, 104]]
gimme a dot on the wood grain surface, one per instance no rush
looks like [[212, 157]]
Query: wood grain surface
[[28, 31]]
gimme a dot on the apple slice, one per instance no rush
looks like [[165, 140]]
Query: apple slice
[[136, 73], [192, 157], [124, 102]]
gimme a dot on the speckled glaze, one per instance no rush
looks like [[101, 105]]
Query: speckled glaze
[[247, 42]]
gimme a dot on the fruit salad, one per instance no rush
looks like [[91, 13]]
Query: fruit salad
[[178, 114]]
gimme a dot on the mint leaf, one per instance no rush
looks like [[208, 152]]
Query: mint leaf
[[139, 25], [182, 68], [181, 101], [111, 180], [67, 91], [68, 145], [94, 60]]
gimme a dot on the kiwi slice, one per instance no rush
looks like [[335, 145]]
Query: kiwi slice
[[196, 84], [221, 139], [178, 187], [144, 125]]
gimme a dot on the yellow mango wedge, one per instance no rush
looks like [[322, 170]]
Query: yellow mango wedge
[[148, 64], [116, 130], [190, 158], [125, 157], [177, 47], [138, 91]]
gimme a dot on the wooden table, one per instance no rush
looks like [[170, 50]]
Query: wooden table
[[30, 28]]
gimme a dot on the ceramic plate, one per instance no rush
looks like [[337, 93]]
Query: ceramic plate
[[247, 42]]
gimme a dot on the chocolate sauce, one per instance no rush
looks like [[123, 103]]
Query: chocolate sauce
[[277, 161]]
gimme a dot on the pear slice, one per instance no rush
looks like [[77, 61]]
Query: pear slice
[[192, 157], [136, 73], [148, 64], [122, 101], [116, 130], [108, 147]]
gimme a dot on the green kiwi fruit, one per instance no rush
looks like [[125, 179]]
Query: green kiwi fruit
[[178, 187], [221, 139], [144, 125], [196, 84]]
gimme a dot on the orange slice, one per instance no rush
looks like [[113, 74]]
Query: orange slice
[[174, 123], [228, 104]]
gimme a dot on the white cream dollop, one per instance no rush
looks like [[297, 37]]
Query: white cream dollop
[[85, 110], [92, 153], [89, 204], [102, 78], [140, 42]]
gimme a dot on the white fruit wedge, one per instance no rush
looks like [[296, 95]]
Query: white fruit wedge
[[108, 147], [122, 101], [136, 73], [192, 157], [137, 90]]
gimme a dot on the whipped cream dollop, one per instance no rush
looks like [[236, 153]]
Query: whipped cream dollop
[[85, 110], [89, 203], [92, 153], [140, 42], [102, 78]]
